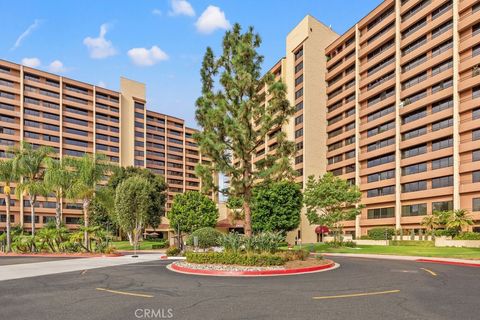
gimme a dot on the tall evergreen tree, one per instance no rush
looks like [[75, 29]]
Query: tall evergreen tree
[[235, 118]]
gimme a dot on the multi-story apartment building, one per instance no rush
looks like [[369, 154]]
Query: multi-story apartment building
[[403, 111], [392, 105], [303, 71], [77, 118]]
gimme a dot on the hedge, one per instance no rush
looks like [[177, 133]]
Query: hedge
[[468, 236], [242, 259], [379, 233], [207, 237]]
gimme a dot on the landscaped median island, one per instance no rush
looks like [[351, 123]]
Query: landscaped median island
[[242, 256]]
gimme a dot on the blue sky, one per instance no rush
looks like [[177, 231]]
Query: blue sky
[[158, 42]]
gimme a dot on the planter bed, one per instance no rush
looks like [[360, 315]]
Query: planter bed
[[290, 268]]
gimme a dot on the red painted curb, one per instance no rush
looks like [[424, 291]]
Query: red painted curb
[[252, 273], [454, 263], [59, 255]]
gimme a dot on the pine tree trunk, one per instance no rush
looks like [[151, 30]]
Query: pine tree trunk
[[9, 240], [248, 218]]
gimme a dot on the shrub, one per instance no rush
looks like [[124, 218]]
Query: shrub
[[267, 241], [207, 237], [235, 258], [231, 242], [381, 233], [162, 244], [292, 255], [173, 251], [468, 236], [445, 233]]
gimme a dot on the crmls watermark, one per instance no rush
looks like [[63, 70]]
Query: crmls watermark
[[160, 313]]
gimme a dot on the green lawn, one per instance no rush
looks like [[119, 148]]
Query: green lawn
[[445, 252], [125, 245]]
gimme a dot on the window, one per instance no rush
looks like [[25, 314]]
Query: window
[[414, 186], [442, 182], [381, 128], [414, 45], [441, 10], [476, 204], [442, 67], [381, 17], [414, 151], [381, 160], [476, 155], [72, 220], [299, 106], [381, 144], [415, 168], [414, 133], [384, 175], [445, 123], [476, 134], [332, 134], [385, 62], [442, 85], [76, 142], [337, 172], [76, 121], [298, 159], [414, 210], [414, 80], [299, 53], [476, 176], [378, 192], [417, 114], [381, 113], [335, 159], [350, 154], [442, 29], [415, 97], [442, 105], [413, 63], [442, 163], [77, 132], [139, 106], [335, 146], [350, 140], [442, 206], [299, 119], [299, 67], [299, 80], [414, 27], [381, 213], [442, 143], [28, 219], [442, 48], [410, 13]]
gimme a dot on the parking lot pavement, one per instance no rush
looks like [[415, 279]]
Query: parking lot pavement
[[360, 289]]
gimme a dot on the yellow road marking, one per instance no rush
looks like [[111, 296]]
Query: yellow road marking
[[356, 295], [429, 271], [126, 293]]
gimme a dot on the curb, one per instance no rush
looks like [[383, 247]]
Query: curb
[[406, 258], [454, 263], [266, 273], [54, 255]]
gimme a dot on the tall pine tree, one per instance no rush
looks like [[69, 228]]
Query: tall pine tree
[[235, 119]]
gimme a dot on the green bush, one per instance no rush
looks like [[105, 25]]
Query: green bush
[[445, 233], [338, 244], [292, 255], [381, 233], [173, 251], [232, 242], [162, 244], [207, 237], [235, 258], [468, 236]]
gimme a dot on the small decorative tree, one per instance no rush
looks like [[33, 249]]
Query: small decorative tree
[[191, 211], [330, 201], [276, 206], [7, 176], [132, 202]]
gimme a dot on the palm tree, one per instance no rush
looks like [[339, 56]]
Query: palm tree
[[430, 222], [458, 220], [29, 163], [7, 176], [58, 180], [90, 170]]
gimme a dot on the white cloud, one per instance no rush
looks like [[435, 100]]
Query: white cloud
[[212, 19], [157, 12], [101, 84], [31, 62], [100, 47], [26, 33], [147, 57], [56, 66], [181, 7]]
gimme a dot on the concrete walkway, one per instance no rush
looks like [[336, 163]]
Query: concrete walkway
[[27, 270], [409, 258]]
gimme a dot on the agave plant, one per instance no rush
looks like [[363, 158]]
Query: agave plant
[[232, 242]]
